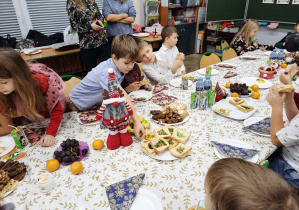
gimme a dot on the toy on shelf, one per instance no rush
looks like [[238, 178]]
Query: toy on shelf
[[151, 12]]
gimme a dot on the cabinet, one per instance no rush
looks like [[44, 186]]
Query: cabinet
[[186, 31]]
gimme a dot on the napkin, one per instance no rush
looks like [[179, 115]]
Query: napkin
[[121, 195], [163, 99], [230, 74], [34, 134], [262, 127], [88, 116], [233, 151], [158, 88]]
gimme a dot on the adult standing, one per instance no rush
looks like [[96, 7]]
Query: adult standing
[[120, 14], [87, 20]]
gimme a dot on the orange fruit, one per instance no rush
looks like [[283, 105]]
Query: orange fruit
[[52, 165], [76, 167], [227, 85], [98, 144], [284, 65], [256, 95], [234, 94], [255, 87]]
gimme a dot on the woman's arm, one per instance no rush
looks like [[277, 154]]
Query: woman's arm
[[4, 122], [127, 20]]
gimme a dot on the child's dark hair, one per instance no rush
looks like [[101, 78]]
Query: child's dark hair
[[297, 23], [167, 31], [124, 46]]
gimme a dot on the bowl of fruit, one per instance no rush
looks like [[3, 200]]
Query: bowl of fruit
[[267, 72], [241, 89], [70, 151]]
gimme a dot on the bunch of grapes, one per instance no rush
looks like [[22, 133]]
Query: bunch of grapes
[[70, 151], [241, 89]]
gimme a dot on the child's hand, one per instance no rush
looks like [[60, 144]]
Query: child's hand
[[138, 129], [133, 87], [181, 56], [274, 98], [181, 74], [255, 44], [285, 78], [176, 65], [148, 87], [47, 141]]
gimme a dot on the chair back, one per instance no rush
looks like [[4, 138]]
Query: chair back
[[224, 44], [70, 81], [140, 67], [228, 53], [207, 59]]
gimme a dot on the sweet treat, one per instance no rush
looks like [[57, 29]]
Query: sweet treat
[[180, 151], [159, 145], [284, 88], [143, 82], [177, 106], [180, 136], [244, 107], [147, 147], [223, 111], [162, 132], [236, 101]]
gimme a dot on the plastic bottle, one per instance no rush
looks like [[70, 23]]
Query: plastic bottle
[[199, 85], [273, 56], [280, 55], [207, 83]]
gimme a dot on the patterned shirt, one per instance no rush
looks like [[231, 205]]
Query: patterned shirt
[[81, 20], [133, 76], [239, 45]]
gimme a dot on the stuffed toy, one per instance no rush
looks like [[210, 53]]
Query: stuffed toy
[[115, 112]]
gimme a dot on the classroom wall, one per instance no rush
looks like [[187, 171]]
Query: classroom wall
[[139, 6], [269, 36]]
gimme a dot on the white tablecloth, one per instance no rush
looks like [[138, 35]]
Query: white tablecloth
[[179, 184]]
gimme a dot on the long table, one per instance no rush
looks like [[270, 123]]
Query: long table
[[179, 184]]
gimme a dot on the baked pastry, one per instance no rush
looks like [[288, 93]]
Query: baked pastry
[[180, 136], [244, 107], [180, 151], [284, 88], [162, 132], [292, 69], [170, 129], [172, 143], [143, 82], [11, 185], [148, 135], [147, 147], [223, 111], [159, 145], [236, 101]]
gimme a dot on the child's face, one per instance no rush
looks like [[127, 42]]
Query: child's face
[[253, 33], [146, 54], [297, 28], [172, 40], [7, 86], [124, 65]]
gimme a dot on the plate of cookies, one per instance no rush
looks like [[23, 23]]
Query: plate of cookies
[[235, 108], [167, 143]]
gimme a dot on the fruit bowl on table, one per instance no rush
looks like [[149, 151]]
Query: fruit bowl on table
[[66, 148], [241, 89]]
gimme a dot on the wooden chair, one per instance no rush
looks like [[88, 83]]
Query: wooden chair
[[224, 44], [140, 67], [228, 53], [207, 59], [70, 81]]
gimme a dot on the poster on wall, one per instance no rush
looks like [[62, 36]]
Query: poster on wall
[[283, 2], [268, 1], [295, 1]]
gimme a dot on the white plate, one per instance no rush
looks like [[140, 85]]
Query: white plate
[[178, 123], [203, 71], [237, 143], [252, 120], [234, 112], [141, 34], [7, 142], [141, 93], [31, 52], [91, 123], [250, 58], [253, 80], [232, 65], [146, 200], [166, 155], [267, 53], [177, 82]]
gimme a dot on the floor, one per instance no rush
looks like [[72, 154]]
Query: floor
[[191, 62]]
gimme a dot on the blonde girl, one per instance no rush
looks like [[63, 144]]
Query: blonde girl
[[33, 91], [242, 42]]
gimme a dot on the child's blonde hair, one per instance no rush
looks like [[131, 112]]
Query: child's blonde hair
[[246, 29], [235, 184], [124, 46], [12, 66], [80, 4], [167, 31]]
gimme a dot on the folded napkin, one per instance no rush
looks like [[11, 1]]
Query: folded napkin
[[262, 127], [121, 195], [88, 116], [35, 134], [233, 151], [163, 99], [230, 74], [158, 88]]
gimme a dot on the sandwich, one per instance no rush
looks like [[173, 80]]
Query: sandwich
[[292, 69], [159, 145], [148, 135], [172, 143], [147, 148], [143, 82], [180, 136], [180, 151], [244, 107], [11, 185], [284, 88], [236, 101], [223, 111], [162, 132], [170, 128]]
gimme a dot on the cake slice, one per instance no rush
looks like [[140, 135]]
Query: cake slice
[[236, 101], [162, 132], [180, 151], [180, 136], [159, 145], [244, 107]]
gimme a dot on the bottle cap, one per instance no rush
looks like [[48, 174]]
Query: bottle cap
[[274, 50], [200, 78], [207, 77], [281, 50]]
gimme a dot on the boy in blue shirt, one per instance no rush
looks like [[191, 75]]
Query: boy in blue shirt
[[88, 93]]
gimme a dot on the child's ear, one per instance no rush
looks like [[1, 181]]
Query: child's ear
[[113, 56], [166, 39]]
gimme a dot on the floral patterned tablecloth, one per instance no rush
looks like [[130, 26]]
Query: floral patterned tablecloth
[[179, 184]]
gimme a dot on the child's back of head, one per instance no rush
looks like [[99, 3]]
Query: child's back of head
[[167, 31], [235, 184], [124, 46]]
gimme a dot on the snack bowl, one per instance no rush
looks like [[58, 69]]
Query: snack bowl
[[266, 74]]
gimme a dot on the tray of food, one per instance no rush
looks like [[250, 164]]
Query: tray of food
[[167, 143], [235, 108]]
